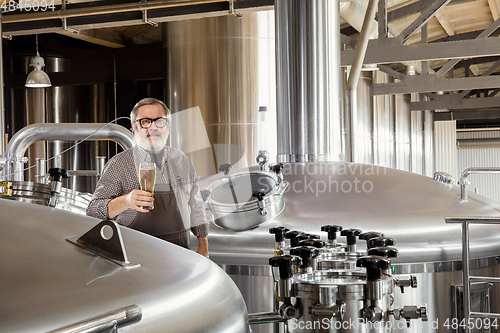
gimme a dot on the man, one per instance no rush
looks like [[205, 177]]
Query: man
[[178, 205]]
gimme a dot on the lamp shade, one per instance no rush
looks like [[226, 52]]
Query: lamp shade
[[37, 78]]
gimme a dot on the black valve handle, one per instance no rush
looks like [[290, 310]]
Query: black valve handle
[[374, 266], [380, 241], [279, 233], [276, 168], [351, 235], [259, 194], [331, 230], [286, 264], [306, 236], [58, 174], [383, 251], [306, 253], [225, 168], [312, 242], [292, 236], [370, 234]]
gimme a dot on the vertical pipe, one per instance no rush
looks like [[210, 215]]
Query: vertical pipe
[[308, 80], [466, 273], [357, 63], [2, 100]]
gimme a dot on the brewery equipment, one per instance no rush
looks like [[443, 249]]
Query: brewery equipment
[[64, 272], [408, 209]]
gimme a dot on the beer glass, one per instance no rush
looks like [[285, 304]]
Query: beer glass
[[147, 179]]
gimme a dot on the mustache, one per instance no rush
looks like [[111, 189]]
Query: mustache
[[153, 133]]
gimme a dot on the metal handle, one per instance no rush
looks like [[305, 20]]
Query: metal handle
[[104, 323], [466, 173]]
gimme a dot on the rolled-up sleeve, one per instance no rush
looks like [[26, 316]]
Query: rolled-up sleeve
[[108, 187]]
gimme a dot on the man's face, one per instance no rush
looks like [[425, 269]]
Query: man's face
[[152, 139]]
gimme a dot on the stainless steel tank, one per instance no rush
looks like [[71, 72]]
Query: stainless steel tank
[[51, 284], [408, 207]]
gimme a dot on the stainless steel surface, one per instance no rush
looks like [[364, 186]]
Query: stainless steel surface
[[408, 207], [308, 80], [32, 133], [463, 179], [232, 203], [264, 317], [334, 192], [172, 286], [403, 132], [41, 194], [220, 70]]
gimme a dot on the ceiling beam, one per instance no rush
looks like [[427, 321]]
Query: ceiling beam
[[445, 23], [416, 7], [96, 16], [434, 51], [488, 31], [98, 37], [494, 9], [487, 73], [430, 83], [426, 15], [455, 103]]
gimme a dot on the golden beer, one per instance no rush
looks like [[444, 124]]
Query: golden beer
[[147, 179]]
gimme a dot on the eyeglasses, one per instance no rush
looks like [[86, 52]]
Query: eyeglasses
[[146, 122]]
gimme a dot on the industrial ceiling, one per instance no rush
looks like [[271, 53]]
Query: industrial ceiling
[[454, 43]]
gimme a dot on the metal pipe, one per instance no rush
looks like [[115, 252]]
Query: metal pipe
[[264, 318], [466, 173], [106, 322], [61, 131], [359, 54], [308, 80], [466, 272], [352, 82], [101, 10]]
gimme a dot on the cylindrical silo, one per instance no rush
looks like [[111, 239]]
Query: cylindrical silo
[[220, 70]]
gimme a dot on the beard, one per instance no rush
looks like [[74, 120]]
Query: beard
[[151, 141]]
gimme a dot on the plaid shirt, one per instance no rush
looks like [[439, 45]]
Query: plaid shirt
[[119, 177]]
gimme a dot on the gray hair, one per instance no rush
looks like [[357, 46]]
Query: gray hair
[[148, 101]]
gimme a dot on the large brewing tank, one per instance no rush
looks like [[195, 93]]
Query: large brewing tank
[[49, 283], [405, 206]]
